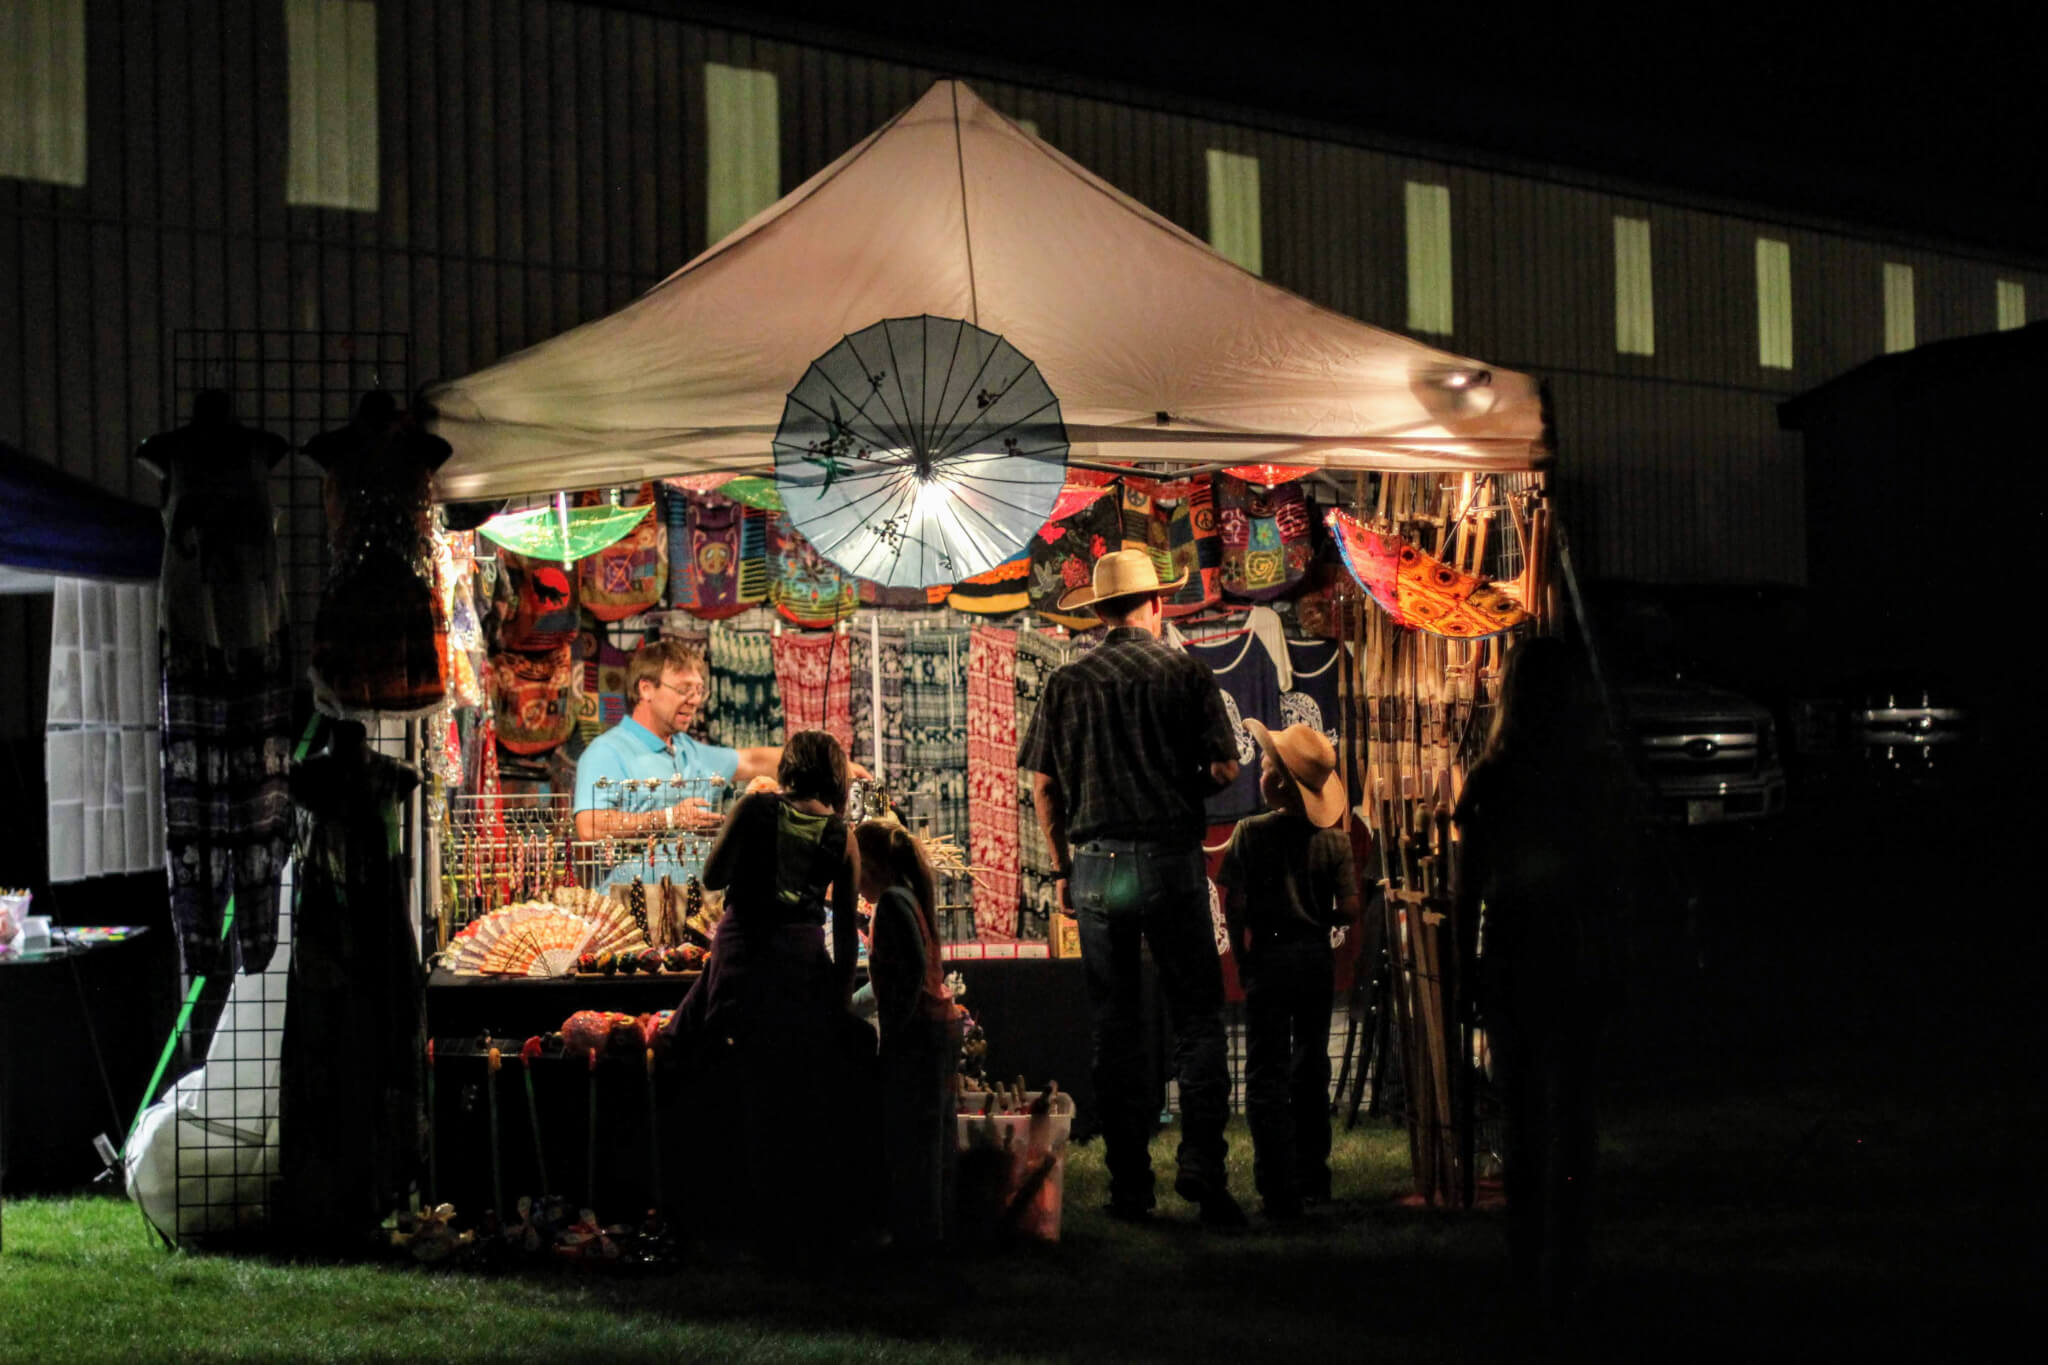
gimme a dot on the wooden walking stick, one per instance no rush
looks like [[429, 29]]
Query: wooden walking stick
[[528, 1052], [493, 1061], [433, 1136]]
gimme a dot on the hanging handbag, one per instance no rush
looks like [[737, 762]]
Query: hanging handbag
[[1266, 537], [627, 576], [536, 708], [543, 609], [807, 588]]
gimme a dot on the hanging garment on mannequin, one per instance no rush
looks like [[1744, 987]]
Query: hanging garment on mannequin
[[350, 1077], [226, 686], [377, 643]]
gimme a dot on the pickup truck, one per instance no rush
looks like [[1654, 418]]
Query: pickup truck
[[1710, 755]]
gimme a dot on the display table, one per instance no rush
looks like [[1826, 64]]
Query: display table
[[67, 946], [1035, 1013]]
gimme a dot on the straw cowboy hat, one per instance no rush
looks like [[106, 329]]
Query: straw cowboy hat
[[1305, 754], [1121, 573]]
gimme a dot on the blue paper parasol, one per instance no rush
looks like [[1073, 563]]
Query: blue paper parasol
[[920, 451]]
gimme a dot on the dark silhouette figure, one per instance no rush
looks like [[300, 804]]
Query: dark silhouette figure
[[1543, 887]]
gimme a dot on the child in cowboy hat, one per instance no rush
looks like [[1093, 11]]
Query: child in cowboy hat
[[1288, 879]]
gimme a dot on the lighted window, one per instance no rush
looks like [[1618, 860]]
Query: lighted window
[[1234, 207], [1635, 309], [1898, 307], [42, 90], [331, 148], [2012, 305], [743, 151], [1429, 257], [1774, 303]]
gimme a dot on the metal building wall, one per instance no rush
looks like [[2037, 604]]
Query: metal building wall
[[542, 163]]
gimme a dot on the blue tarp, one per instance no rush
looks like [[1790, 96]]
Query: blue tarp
[[53, 523]]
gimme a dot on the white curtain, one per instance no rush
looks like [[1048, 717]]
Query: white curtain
[[104, 769]]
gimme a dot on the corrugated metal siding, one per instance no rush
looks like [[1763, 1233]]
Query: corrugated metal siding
[[542, 162]]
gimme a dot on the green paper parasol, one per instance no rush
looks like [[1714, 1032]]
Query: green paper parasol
[[562, 532], [753, 491]]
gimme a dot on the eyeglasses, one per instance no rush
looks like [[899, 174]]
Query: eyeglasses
[[696, 693]]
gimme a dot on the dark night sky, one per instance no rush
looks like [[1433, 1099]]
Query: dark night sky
[[1928, 119]]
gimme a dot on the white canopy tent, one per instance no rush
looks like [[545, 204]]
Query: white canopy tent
[[1159, 349]]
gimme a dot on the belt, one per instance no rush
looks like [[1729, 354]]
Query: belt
[[1135, 846]]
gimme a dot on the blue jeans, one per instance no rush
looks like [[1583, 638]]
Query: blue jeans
[[1128, 895]]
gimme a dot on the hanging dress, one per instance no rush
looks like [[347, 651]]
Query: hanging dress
[[349, 1097], [377, 642], [991, 780], [226, 696]]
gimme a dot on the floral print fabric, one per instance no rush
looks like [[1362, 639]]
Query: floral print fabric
[[991, 779]]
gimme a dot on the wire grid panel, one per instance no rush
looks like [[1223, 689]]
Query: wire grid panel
[[296, 384], [226, 1118]]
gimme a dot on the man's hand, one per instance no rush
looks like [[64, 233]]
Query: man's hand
[[1223, 774], [856, 771], [692, 813], [1059, 891]]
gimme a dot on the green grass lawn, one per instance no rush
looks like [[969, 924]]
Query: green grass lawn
[[1732, 1225]]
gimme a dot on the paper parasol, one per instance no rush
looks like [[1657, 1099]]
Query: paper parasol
[[920, 451], [561, 532], [1419, 591]]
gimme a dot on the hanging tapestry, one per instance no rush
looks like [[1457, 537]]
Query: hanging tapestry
[[535, 707], [542, 611], [1039, 654], [997, 592], [744, 708], [1250, 683], [805, 586], [456, 583], [877, 667], [1063, 556], [992, 779], [628, 575], [814, 674], [1266, 537], [935, 730]]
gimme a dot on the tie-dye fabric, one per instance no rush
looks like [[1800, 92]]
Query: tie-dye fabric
[[744, 709]]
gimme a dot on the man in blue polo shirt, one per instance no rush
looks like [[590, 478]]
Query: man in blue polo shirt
[[667, 683]]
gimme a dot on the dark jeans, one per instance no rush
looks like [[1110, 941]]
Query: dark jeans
[[1132, 894], [1544, 1071], [1287, 986]]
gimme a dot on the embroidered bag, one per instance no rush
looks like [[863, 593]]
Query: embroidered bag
[[627, 576], [1063, 556], [807, 588], [543, 604], [1265, 532], [536, 710]]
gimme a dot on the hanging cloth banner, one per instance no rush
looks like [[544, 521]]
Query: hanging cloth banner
[[1418, 591]]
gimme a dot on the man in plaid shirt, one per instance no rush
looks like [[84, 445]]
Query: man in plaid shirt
[[1127, 742]]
